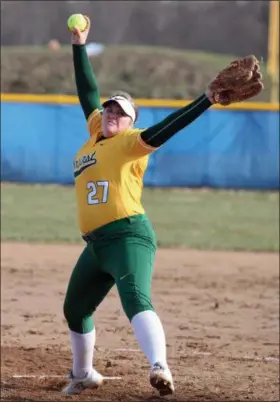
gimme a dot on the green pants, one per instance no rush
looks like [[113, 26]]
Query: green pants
[[122, 254]]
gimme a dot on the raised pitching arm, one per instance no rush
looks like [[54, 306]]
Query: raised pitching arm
[[86, 83]]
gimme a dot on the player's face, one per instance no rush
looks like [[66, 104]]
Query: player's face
[[114, 120]]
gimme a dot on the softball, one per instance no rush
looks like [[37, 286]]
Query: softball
[[77, 20]]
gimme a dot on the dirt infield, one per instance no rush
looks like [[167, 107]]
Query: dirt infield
[[220, 311]]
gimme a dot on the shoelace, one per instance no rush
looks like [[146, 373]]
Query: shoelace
[[158, 366]]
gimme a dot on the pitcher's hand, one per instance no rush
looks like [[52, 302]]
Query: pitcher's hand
[[78, 37]]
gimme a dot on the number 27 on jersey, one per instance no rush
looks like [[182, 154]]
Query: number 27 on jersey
[[92, 196]]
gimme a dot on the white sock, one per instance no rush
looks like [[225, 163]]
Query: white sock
[[150, 336], [82, 349]]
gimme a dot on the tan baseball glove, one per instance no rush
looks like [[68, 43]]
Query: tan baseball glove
[[239, 81]]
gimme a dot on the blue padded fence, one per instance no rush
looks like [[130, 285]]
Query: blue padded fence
[[222, 149]]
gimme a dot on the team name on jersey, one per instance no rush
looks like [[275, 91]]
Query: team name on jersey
[[84, 162]]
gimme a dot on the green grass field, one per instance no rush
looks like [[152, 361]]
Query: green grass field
[[202, 219]]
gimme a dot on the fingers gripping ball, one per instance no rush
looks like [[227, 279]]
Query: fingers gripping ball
[[77, 20]]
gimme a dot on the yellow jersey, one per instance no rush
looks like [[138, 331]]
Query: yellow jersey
[[109, 175]]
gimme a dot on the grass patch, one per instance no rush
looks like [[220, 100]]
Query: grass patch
[[216, 59], [201, 219], [143, 71]]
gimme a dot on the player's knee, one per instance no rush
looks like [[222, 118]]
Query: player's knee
[[135, 302], [78, 319], [71, 311]]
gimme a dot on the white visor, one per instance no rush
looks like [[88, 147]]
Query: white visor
[[125, 104]]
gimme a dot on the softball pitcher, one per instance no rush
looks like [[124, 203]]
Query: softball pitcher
[[120, 241]]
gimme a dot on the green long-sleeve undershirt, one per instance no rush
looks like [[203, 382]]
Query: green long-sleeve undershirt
[[86, 83], [155, 135]]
